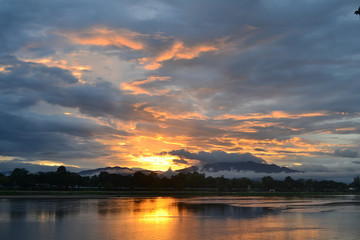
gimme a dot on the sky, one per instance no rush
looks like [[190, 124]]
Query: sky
[[159, 84]]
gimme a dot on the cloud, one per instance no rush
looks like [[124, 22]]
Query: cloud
[[51, 137], [242, 73], [156, 48], [27, 83], [176, 51], [216, 156], [348, 153], [27, 133], [259, 149], [141, 86], [311, 168], [180, 161], [340, 176], [102, 36], [8, 166]]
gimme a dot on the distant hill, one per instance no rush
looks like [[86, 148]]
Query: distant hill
[[210, 167], [239, 166], [116, 170], [188, 169], [246, 166], [112, 170]]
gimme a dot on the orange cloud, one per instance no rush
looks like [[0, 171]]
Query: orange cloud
[[102, 36], [136, 89], [51, 163], [349, 129], [5, 68], [176, 52], [164, 115], [274, 114]]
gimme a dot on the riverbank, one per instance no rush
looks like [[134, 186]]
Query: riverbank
[[188, 193]]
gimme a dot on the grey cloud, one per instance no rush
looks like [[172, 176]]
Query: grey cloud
[[309, 168], [341, 176], [295, 57], [34, 136], [180, 161], [25, 84], [348, 153], [33, 76], [294, 72], [216, 156], [275, 67], [8, 166], [259, 149], [188, 127], [39, 137], [270, 133]]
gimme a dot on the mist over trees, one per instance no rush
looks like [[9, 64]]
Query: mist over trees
[[21, 179]]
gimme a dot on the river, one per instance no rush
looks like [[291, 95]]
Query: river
[[160, 218]]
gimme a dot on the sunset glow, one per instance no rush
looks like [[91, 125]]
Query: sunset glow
[[162, 84]]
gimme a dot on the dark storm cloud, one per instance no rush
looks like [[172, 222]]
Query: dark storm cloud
[[216, 156]]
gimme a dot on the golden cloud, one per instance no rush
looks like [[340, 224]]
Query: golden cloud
[[102, 36], [176, 52], [135, 87]]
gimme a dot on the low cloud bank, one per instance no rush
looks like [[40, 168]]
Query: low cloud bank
[[340, 176], [216, 156]]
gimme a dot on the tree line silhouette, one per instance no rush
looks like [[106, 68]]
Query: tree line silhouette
[[21, 179]]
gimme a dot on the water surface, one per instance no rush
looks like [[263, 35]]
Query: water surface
[[335, 217]]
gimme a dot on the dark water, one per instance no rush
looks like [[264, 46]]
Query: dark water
[[181, 218]]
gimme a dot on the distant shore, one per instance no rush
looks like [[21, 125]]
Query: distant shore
[[12, 194]]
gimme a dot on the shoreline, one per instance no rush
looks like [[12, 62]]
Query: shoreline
[[115, 194]]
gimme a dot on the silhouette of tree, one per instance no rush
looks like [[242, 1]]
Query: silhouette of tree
[[104, 180], [61, 170], [268, 182], [140, 180], [356, 183], [3, 180], [20, 177], [63, 179], [289, 184], [210, 182]]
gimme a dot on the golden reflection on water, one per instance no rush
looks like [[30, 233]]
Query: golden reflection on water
[[163, 218], [160, 210], [279, 227], [153, 219]]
